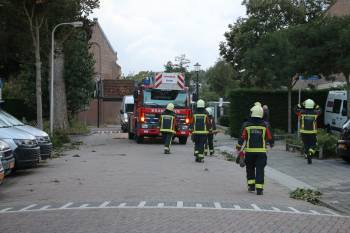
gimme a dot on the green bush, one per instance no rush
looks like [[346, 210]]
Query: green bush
[[224, 121], [328, 142], [59, 139], [243, 99], [308, 195]]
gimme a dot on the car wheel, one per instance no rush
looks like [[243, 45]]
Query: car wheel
[[183, 140]]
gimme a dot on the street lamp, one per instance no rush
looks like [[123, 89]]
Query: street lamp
[[98, 81], [74, 24], [197, 68]]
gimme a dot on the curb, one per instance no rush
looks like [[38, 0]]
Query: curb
[[330, 206]]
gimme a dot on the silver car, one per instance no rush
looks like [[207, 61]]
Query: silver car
[[24, 146], [6, 157], [41, 136]]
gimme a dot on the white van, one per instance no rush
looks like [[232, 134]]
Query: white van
[[126, 107], [335, 110]]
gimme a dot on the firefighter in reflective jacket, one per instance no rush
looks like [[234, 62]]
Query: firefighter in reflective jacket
[[167, 126], [307, 116], [255, 136], [209, 147], [200, 126]]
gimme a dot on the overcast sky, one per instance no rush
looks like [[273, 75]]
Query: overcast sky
[[148, 33]]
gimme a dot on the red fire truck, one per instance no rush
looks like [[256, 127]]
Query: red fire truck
[[151, 98]]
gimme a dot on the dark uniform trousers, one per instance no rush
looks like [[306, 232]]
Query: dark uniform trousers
[[199, 144], [255, 165], [210, 142], [167, 138], [309, 141]]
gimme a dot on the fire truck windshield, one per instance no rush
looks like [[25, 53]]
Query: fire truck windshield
[[160, 98]]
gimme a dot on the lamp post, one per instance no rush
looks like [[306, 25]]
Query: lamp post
[[197, 68], [98, 81], [74, 24]]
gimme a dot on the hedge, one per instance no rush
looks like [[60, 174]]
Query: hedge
[[243, 99], [19, 109]]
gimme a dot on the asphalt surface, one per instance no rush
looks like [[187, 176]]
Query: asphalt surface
[[112, 184]]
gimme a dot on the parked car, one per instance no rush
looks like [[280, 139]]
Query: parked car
[[126, 107], [6, 157], [41, 136], [24, 146], [2, 173], [335, 110], [343, 145]]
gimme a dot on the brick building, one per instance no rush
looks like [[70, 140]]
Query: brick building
[[108, 70], [340, 8]]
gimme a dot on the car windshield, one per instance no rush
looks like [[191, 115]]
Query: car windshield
[[9, 120], [160, 98]]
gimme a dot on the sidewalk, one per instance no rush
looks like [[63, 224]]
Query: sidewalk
[[331, 177]]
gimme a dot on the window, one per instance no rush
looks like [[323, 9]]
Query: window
[[344, 112], [336, 106], [129, 107]]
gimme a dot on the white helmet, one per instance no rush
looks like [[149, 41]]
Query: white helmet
[[200, 104], [257, 111], [170, 107], [210, 111], [309, 104], [257, 104]]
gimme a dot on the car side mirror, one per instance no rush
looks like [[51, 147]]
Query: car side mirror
[[121, 111]]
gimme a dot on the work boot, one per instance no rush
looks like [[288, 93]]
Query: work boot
[[309, 160], [259, 192], [251, 188], [166, 152]]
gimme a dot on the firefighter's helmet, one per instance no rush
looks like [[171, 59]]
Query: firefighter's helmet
[[200, 104], [210, 111], [257, 104], [170, 107], [309, 104], [257, 111]]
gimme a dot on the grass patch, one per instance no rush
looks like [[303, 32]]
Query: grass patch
[[308, 195]]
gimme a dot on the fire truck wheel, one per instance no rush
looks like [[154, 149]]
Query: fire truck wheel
[[130, 136], [183, 140], [139, 139]]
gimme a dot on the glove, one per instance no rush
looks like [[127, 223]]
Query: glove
[[241, 159], [317, 107], [238, 147]]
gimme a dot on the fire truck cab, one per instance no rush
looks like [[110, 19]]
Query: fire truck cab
[[151, 98]]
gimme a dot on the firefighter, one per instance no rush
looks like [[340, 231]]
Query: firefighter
[[200, 127], [255, 135], [167, 126], [212, 130], [307, 116]]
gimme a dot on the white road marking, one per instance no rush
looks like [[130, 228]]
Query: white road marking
[[294, 210], [66, 205], [6, 209], [45, 207], [255, 207], [142, 204], [28, 207], [217, 205], [314, 212], [332, 212], [179, 205], [160, 205], [122, 204], [104, 204]]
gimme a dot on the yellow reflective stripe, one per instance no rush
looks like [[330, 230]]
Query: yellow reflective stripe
[[259, 186], [314, 130], [200, 155], [263, 149], [195, 131], [251, 181], [308, 131], [162, 129]]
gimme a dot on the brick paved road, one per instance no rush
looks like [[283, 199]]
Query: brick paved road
[[114, 185]]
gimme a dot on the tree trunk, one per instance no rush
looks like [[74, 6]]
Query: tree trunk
[[39, 105], [289, 109], [60, 99]]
